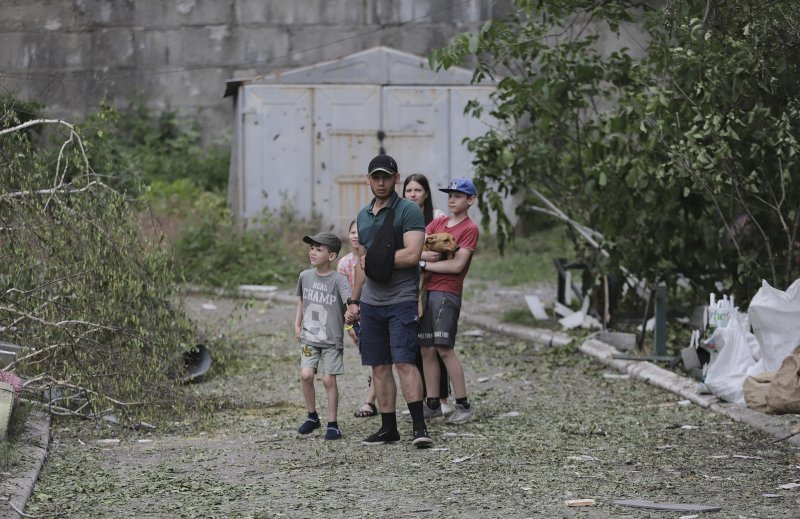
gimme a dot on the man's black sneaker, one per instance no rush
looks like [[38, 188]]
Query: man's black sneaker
[[421, 439], [308, 426], [381, 437]]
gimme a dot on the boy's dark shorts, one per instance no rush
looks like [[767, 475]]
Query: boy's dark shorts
[[439, 323], [389, 333]]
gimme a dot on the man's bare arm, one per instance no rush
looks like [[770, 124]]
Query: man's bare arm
[[409, 255]]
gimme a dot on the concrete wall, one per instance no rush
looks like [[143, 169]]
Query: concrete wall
[[177, 54]]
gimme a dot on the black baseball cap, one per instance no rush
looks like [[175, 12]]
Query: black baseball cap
[[326, 238], [382, 164]]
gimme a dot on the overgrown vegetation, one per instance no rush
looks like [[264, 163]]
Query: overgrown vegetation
[[162, 161], [97, 229], [680, 164], [135, 148], [211, 248], [82, 293], [527, 260]]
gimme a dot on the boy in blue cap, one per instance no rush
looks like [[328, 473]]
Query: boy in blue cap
[[442, 301]]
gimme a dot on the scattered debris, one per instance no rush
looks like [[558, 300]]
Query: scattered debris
[[690, 427], [484, 379], [196, 362], [620, 340], [615, 376], [562, 310], [675, 507], [209, 306], [582, 457], [771, 495], [459, 460], [581, 318], [689, 355], [475, 332], [108, 441], [536, 307], [743, 457], [694, 516], [580, 502], [684, 402], [789, 486], [510, 414]]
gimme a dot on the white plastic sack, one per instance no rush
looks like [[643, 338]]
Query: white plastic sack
[[775, 317], [728, 369], [717, 315]]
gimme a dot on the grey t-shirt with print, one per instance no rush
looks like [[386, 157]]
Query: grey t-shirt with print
[[323, 308]]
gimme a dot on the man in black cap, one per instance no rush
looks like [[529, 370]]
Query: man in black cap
[[385, 300]]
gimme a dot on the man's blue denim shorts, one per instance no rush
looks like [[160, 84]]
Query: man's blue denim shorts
[[389, 333]]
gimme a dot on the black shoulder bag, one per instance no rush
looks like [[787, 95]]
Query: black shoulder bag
[[379, 260]]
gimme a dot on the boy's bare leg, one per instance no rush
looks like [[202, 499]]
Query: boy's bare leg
[[333, 396], [385, 388], [454, 371], [410, 381], [307, 383], [430, 365]]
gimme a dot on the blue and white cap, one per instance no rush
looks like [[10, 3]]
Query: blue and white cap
[[461, 185]]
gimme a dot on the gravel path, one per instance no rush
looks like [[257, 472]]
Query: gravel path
[[552, 426]]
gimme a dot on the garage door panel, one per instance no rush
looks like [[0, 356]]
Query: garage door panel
[[277, 148]]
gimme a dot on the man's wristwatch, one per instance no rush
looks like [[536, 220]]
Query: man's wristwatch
[[351, 301], [422, 264]]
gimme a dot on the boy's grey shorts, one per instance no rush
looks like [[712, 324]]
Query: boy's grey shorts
[[332, 359], [439, 323]]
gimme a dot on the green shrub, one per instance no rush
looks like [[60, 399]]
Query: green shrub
[[85, 296], [135, 147], [527, 260], [212, 249]]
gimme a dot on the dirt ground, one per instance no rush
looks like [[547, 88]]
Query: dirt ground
[[551, 426]]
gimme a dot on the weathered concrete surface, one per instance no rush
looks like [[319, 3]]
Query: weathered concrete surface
[[17, 486], [178, 53]]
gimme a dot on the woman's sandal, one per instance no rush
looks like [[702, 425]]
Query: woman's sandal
[[366, 410]]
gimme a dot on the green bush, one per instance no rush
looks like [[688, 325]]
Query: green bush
[[85, 296], [212, 249], [682, 164], [135, 147]]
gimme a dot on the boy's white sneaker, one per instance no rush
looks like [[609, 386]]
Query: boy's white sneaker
[[460, 415]]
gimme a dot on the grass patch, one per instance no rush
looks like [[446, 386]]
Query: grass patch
[[527, 260], [523, 317]]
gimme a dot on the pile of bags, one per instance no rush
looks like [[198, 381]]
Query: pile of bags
[[758, 368]]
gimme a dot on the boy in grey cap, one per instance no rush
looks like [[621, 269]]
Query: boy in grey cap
[[319, 326]]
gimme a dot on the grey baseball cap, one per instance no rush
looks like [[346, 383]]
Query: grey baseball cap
[[326, 238]]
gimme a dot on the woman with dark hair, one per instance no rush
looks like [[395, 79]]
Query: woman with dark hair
[[417, 189], [420, 192]]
